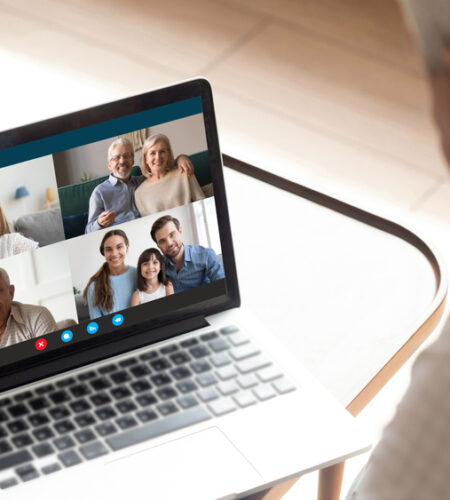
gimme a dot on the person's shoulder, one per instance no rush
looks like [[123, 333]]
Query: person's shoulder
[[30, 309]]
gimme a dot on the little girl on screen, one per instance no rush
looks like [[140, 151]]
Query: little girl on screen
[[152, 281]]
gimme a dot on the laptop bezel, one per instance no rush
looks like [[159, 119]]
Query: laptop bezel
[[126, 338]]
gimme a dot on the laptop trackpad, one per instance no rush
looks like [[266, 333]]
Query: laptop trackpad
[[185, 465]]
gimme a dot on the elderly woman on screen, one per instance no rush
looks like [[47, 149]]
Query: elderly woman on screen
[[165, 187], [12, 243]]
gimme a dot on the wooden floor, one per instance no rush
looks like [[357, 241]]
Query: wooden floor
[[330, 92]]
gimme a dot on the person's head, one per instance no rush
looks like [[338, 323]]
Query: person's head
[[4, 226], [121, 158], [151, 264], [6, 296], [157, 155], [166, 233], [114, 248]]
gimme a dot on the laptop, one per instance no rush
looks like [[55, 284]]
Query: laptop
[[127, 365]]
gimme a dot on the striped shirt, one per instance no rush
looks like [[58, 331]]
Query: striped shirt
[[25, 322], [201, 266]]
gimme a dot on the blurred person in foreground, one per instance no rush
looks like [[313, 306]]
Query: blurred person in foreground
[[412, 459]]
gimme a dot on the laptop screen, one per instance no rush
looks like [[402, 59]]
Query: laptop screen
[[109, 226]]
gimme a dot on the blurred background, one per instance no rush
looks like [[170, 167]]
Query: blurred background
[[330, 93]]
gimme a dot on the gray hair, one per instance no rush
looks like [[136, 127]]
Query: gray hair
[[5, 276], [117, 142]]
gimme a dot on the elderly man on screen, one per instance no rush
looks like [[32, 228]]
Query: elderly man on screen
[[19, 322], [112, 201]]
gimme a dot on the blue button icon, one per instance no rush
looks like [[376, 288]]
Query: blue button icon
[[92, 327], [117, 319], [66, 336]]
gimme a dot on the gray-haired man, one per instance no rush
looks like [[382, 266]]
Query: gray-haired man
[[19, 322], [112, 201]]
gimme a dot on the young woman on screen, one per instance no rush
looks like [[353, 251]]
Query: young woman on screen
[[152, 281], [110, 288]]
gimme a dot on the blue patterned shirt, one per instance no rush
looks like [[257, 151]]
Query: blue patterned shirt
[[201, 265], [113, 194]]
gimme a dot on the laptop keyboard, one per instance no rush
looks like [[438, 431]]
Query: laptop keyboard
[[96, 412]]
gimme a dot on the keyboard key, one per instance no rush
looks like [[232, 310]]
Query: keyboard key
[[284, 385], [228, 387], [5, 402], [128, 362], [100, 399], [166, 392], [126, 422], [126, 406], [238, 339], [186, 386], [64, 426], [106, 428], [220, 359], [84, 436], [166, 409], [43, 433], [207, 394], [180, 373], [5, 447], [206, 379], [219, 345], [59, 412], [22, 440], [69, 458], [147, 356], [158, 428], [264, 392], [146, 415], [42, 450], [27, 472], [140, 386], [160, 364], [179, 358], [244, 351], [64, 443], [18, 410], [39, 403], [199, 351], [269, 374], [247, 381], [244, 399], [7, 483], [106, 413], [168, 349], [227, 372], [120, 393], [200, 366], [222, 406], [85, 419], [140, 371], [206, 337], [187, 401], [3, 416], [229, 329], [65, 382], [79, 406], [3, 433], [23, 396], [120, 377], [189, 342], [161, 379], [14, 459], [108, 369], [49, 469], [146, 399], [17, 426], [59, 397], [253, 363], [93, 450], [80, 390], [87, 375], [99, 384], [44, 389]]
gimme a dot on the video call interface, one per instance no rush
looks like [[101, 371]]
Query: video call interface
[[105, 228]]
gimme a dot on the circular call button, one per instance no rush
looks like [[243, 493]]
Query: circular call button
[[66, 336], [117, 320], [92, 328], [40, 344]]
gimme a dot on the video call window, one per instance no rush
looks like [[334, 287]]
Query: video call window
[[76, 240]]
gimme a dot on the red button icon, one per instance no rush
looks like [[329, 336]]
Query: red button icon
[[40, 344]]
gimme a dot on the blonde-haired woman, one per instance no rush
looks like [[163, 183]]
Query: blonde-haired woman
[[12, 243], [165, 187]]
